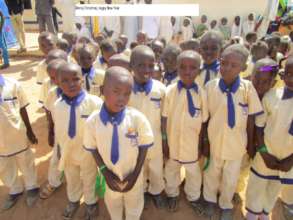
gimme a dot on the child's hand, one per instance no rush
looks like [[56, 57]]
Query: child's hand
[[31, 136], [286, 164], [51, 139], [251, 150], [165, 149], [130, 180], [271, 161], [112, 180]]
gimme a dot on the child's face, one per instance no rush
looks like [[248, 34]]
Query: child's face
[[188, 69], [143, 68], [158, 50], [210, 50], [232, 64], [224, 21], [204, 19], [46, 45], [116, 95], [262, 82], [71, 83], [169, 61], [53, 75], [186, 22], [288, 76], [237, 20], [86, 59], [141, 38], [107, 54], [258, 53]]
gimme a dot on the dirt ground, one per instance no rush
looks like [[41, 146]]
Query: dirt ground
[[51, 209]]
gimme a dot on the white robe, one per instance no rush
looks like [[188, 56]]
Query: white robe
[[151, 25], [236, 30], [166, 28], [248, 26]]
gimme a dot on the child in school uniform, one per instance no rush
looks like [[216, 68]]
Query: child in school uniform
[[118, 137], [210, 49], [263, 78], [93, 78], [184, 112], [108, 49], [272, 165], [147, 96], [47, 42], [68, 115], [169, 57], [50, 93], [233, 103], [15, 153]]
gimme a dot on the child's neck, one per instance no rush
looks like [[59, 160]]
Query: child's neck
[[110, 112], [229, 82]]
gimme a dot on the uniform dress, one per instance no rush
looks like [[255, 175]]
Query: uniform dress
[[207, 73], [265, 184], [170, 78], [93, 80]]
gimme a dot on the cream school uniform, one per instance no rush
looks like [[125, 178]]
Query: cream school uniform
[[53, 173], [74, 161], [41, 70], [100, 63], [287, 195], [93, 80], [134, 131], [208, 73], [148, 99], [265, 184], [170, 78], [45, 88], [183, 131], [14, 151], [227, 142]]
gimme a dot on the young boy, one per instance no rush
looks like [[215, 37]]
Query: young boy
[[15, 154], [118, 137], [169, 58], [120, 60], [210, 49], [233, 103], [69, 114], [157, 46], [225, 29], [93, 78], [263, 79], [147, 97], [272, 166], [108, 49], [50, 93], [184, 111], [47, 42]]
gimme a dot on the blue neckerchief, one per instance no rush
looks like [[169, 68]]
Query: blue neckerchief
[[89, 76], [102, 60], [191, 107], [59, 92], [2, 83], [230, 104], [115, 120], [288, 94], [215, 67], [73, 103], [169, 77], [147, 87]]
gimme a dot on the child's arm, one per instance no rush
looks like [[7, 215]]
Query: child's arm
[[250, 136], [270, 160], [164, 137], [205, 140], [112, 180], [29, 131], [51, 134], [286, 164], [131, 179]]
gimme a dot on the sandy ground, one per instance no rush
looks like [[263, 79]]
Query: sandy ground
[[51, 209]]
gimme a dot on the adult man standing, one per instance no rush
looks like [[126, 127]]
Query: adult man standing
[[44, 15], [15, 8]]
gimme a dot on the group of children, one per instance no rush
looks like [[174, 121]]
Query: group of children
[[122, 123]]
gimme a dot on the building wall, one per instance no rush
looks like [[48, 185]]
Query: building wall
[[214, 9]]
